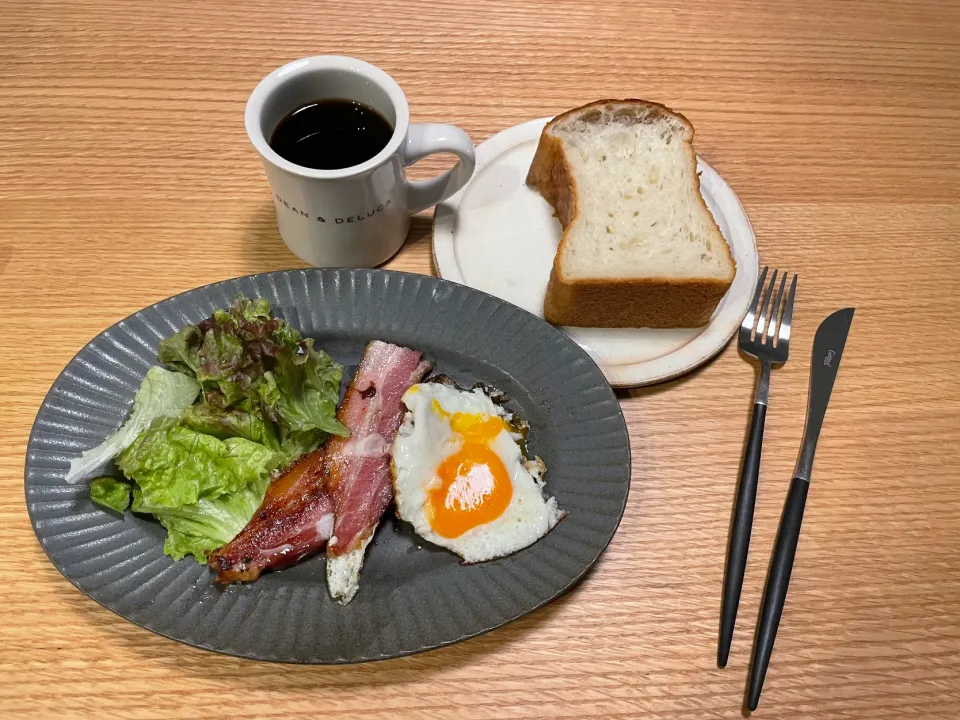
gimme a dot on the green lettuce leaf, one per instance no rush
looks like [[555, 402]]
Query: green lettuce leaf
[[162, 394], [301, 392], [296, 444], [111, 493], [202, 527], [175, 466], [225, 423], [181, 351]]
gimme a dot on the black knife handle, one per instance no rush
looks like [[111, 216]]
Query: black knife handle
[[775, 592], [740, 533]]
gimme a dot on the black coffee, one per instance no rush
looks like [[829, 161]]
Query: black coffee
[[331, 134]]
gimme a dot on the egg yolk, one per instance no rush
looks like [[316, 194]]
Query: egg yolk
[[474, 486]]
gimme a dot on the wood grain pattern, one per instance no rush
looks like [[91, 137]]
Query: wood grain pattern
[[125, 176]]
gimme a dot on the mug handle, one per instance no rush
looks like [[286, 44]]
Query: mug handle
[[426, 139]]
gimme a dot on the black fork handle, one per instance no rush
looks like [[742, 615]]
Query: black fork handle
[[740, 533]]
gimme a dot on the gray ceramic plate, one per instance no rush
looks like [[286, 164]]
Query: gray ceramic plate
[[413, 596]]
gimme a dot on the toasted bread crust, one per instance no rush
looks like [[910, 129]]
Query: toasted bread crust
[[646, 302], [617, 302], [550, 174]]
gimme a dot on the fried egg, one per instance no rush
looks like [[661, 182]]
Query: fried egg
[[460, 477]]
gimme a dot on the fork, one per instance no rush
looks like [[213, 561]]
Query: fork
[[764, 335]]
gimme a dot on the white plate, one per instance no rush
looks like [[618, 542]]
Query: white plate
[[500, 236]]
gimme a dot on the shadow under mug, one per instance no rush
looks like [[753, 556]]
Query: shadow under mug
[[357, 216]]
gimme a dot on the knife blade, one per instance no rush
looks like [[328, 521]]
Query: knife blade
[[828, 346]]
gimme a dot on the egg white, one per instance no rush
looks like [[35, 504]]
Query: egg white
[[425, 439]]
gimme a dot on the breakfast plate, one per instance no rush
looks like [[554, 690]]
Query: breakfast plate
[[500, 236], [413, 596]]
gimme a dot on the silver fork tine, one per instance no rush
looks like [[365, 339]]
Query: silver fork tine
[[775, 313], [784, 334], [762, 318], [751, 317]]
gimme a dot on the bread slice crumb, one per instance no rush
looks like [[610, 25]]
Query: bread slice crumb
[[640, 247]]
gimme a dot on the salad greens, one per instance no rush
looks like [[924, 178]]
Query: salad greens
[[201, 464], [261, 381], [176, 466], [200, 528], [111, 493], [301, 394], [162, 394]]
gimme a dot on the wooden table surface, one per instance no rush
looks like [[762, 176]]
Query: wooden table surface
[[126, 176]]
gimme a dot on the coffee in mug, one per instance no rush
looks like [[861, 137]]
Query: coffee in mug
[[335, 136], [331, 134]]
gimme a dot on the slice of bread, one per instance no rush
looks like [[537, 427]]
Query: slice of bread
[[639, 247]]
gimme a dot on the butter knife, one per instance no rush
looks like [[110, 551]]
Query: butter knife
[[828, 347]]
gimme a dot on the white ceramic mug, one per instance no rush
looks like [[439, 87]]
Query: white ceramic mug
[[358, 216]]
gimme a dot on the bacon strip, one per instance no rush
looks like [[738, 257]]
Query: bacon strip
[[294, 520], [357, 468]]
